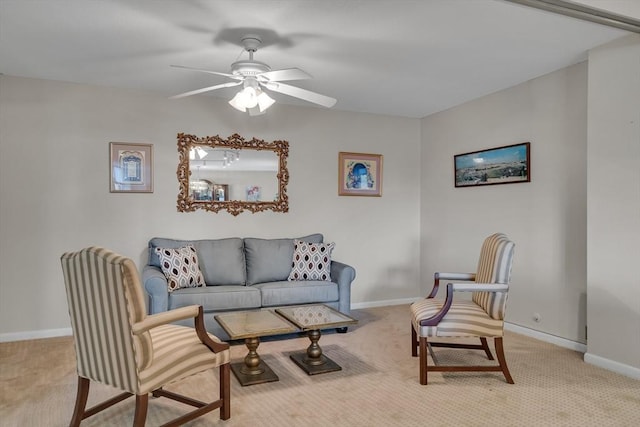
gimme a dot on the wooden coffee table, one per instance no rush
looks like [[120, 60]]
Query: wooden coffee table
[[250, 326], [313, 318]]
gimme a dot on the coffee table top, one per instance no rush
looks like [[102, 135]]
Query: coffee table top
[[252, 324], [316, 316]]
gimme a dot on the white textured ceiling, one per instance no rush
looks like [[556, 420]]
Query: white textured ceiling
[[394, 57]]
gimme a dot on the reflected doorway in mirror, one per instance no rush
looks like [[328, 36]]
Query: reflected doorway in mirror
[[221, 192]]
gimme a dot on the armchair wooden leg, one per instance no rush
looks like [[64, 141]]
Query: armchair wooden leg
[[142, 402], [81, 401], [225, 391], [414, 342], [485, 347], [423, 360], [502, 360]]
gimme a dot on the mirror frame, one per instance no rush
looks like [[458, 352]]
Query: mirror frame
[[186, 203]]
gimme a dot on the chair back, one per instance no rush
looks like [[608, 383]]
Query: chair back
[[494, 266], [105, 298]]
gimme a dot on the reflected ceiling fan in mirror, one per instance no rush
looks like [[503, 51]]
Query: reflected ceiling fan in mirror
[[257, 79]]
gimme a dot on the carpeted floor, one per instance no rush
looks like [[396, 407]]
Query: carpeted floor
[[378, 386]]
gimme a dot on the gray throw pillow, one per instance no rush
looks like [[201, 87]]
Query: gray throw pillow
[[221, 260], [269, 260]]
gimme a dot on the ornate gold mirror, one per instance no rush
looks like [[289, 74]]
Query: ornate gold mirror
[[232, 174]]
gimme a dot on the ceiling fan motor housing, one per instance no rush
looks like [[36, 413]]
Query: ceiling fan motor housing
[[249, 68]]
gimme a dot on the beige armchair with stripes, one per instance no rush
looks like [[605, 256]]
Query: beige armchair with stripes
[[118, 344], [482, 316]]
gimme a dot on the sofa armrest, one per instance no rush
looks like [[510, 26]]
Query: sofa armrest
[[343, 275], [155, 283]]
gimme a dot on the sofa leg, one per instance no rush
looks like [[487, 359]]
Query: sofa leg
[[342, 330]]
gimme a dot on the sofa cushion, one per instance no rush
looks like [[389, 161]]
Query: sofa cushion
[[217, 298], [311, 261], [288, 293], [221, 260], [180, 267], [269, 260]]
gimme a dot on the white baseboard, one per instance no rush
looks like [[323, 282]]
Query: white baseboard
[[543, 336], [34, 335], [611, 365]]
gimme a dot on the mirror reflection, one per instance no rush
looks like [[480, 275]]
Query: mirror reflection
[[222, 175], [232, 174]]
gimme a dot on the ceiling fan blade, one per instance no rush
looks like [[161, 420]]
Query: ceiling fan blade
[[231, 76], [205, 89], [286, 74], [304, 94]]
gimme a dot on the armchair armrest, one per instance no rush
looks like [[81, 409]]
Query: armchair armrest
[[457, 276], [461, 287], [436, 318], [155, 320], [166, 317], [479, 287], [448, 276]]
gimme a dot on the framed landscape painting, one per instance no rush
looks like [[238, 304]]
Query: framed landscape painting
[[501, 165]]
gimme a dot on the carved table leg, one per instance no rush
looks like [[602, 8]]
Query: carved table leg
[[252, 359], [252, 370], [313, 361], [314, 352]]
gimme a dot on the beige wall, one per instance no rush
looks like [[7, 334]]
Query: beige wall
[[54, 186], [54, 194], [546, 217], [573, 239], [614, 204]]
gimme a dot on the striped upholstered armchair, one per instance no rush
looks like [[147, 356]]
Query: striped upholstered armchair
[[482, 316], [119, 345]]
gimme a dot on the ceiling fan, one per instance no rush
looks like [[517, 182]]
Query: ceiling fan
[[256, 77]]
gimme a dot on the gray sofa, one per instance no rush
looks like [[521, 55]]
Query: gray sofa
[[244, 274]]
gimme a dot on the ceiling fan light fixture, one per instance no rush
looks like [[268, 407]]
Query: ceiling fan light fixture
[[246, 98], [265, 101], [235, 103], [251, 98]]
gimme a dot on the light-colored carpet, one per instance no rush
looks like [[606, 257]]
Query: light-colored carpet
[[378, 386]]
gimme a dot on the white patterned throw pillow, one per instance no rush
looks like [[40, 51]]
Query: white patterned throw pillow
[[180, 267], [311, 261]]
